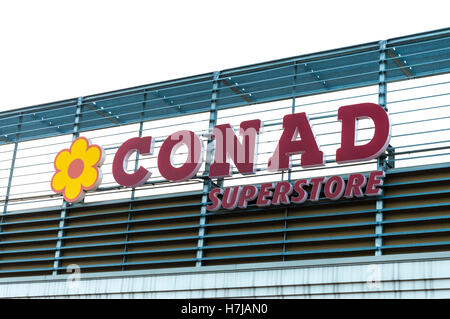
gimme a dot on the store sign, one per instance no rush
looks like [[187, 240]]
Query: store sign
[[78, 168], [279, 193]]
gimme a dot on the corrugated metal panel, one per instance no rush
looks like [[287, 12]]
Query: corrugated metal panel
[[417, 276], [28, 241], [424, 224]]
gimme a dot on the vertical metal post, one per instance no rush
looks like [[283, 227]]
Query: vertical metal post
[[381, 163], [11, 171], [294, 88], [207, 184], [62, 220], [133, 190]]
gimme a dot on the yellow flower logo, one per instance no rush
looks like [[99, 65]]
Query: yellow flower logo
[[77, 170]]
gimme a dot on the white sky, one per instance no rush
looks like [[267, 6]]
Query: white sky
[[54, 50]]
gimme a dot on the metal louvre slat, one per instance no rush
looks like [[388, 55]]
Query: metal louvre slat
[[422, 229], [239, 250]]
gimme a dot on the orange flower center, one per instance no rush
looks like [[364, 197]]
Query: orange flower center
[[75, 168]]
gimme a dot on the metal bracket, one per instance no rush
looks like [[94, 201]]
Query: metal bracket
[[4, 138], [400, 62], [390, 163], [112, 118], [315, 76], [166, 100], [381, 163], [46, 122], [238, 89], [11, 172], [133, 190]]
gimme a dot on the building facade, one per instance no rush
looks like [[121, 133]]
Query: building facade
[[159, 238]]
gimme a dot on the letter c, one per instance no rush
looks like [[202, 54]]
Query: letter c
[[143, 145]]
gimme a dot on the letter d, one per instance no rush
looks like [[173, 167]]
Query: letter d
[[349, 152]]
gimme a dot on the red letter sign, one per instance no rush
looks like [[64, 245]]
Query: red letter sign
[[216, 202], [380, 141], [375, 179], [228, 145], [296, 124], [194, 160], [143, 145]]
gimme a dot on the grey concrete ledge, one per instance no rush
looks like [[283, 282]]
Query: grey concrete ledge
[[424, 275], [351, 261]]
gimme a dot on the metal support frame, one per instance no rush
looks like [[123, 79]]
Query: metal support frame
[[46, 122], [133, 190], [100, 112], [402, 65], [400, 62], [11, 172], [390, 157], [294, 88], [381, 163], [165, 99], [4, 138], [207, 184], [315, 76], [62, 220], [286, 215]]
